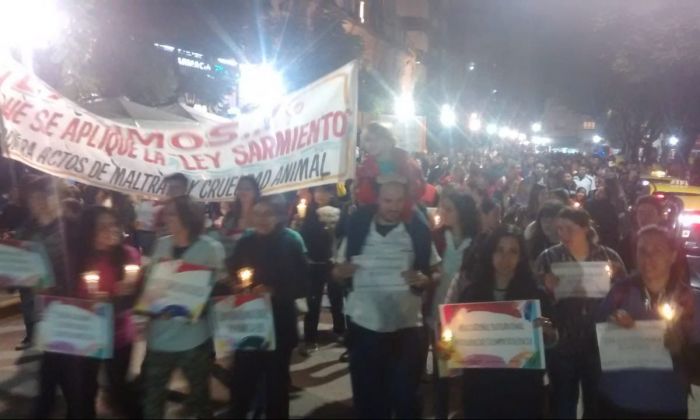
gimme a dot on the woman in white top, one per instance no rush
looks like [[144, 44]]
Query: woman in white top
[[460, 225]]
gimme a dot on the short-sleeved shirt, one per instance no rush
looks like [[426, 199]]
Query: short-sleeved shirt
[[380, 310], [174, 335]]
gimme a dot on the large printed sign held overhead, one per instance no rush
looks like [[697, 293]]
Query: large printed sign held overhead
[[306, 139]]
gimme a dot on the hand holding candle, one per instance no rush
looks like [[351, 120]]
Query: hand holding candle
[[92, 281], [245, 277], [301, 208]]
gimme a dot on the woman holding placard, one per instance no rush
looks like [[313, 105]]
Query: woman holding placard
[[502, 273], [660, 292], [172, 342], [453, 238], [270, 261], [574, 361], [114, 269]]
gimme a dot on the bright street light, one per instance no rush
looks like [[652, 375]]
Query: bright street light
[[673, 140], [30, 24], [448, 117], [260, 84], [404, 107], [491, 129], [474, 122], [536, 127], [597, 139]]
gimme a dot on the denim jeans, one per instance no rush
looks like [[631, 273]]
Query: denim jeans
[[566, 372], [385, 371]]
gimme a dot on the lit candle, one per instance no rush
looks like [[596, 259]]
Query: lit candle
[[436, 219], [245, 276], [608, 270], [667, 311], [301, 208], [577, 204], [131, 273], [447, 335], [92, 281]]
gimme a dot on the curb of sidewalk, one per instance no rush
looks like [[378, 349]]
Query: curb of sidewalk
[[10, 307]]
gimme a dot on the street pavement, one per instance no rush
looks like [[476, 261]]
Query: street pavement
[[320, 383]]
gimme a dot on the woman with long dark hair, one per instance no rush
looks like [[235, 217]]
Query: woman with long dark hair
[[662, 280], [100, 249], [502, 273], [574, 362], [318, 231], [542, 233], [460, 225]]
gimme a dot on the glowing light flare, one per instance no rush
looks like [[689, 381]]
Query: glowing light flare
[[260, 84], [447, 336], [31, 24], [245, 276], [673, 141], [448, 117], [404, 107], [491, 129], [597, 139], [667, 311], [536, 127], [474, 123]]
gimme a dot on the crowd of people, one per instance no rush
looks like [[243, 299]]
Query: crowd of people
[[483, 226]]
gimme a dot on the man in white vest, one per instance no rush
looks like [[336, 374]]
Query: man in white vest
[[388, 262]]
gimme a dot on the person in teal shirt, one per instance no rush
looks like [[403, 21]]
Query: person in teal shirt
[[174, 342]]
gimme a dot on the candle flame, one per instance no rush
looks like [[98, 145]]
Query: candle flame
[[245, 275], [667, 311], [131, 268], [91, 277], [437, 219], [447, 335]]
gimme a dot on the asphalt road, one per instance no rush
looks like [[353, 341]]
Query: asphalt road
[[320, 389]]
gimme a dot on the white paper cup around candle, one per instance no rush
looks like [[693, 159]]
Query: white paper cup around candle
[[301, 208], [667, 312], [245, 276], [92, 281], [131, 272]]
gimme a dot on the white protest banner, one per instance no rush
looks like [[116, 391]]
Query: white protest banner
[[589, 279], [496, 335], [306, 139], [24, 264], [639, 347], [76, 326], [177, 289], [243, 322]]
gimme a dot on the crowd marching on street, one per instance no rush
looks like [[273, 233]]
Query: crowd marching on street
[[408, 234]]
